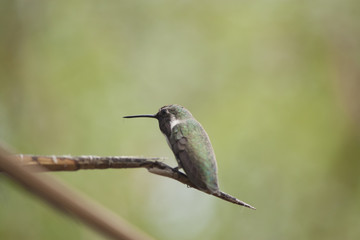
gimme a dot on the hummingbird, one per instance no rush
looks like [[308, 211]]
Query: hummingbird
[[190, 144]]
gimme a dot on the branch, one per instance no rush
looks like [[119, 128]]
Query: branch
[[71, 202], [73, 163]]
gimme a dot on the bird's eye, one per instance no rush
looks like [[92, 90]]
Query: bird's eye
[[163, 112]]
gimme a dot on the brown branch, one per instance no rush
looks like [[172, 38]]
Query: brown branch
[[71, 202], [73, 163]]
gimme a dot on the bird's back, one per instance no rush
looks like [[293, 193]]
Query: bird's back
[[194, 153]]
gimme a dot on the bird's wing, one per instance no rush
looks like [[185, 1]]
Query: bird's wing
[[193, 150]]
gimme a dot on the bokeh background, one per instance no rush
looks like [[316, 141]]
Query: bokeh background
[[275, 83]]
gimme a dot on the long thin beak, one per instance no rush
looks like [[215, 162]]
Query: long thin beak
[[141, 116]]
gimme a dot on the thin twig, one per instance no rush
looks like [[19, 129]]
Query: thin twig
[[67, 200], [73, 163]]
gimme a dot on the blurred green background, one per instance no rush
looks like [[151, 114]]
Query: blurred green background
[[276, 84]]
